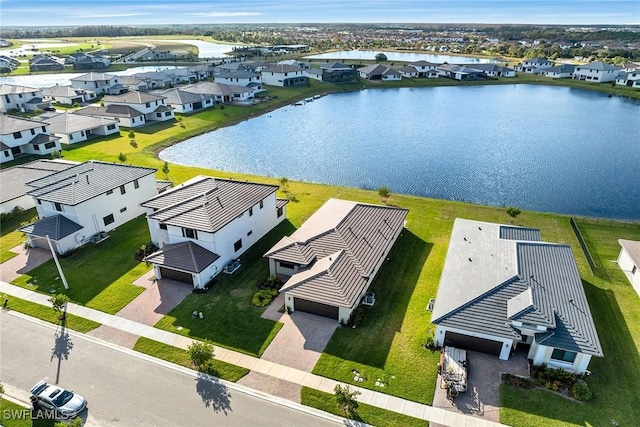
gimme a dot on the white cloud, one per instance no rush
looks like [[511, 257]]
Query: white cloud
[[109, 15], [222, 14]]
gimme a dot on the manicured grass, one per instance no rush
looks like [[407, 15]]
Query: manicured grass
[[46, 313], [366, 413], [100, 275], [230, 320], [9, 237], [176, 355], [12, 415]]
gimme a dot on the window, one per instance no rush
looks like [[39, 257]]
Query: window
[[237, 245], [108, 219], [133, 119], [280, 212], [6, 153], [33, 131], [123, 210], [39, 201], [36, 147], [70, 137], [190, 233], [163, 226], [44, 129], [111, 127], [261, 204], [158, 114], [82, 133], [122, 189], [251, 211], [58, 207], [167, 114], [249, 233], [49, 145], [109, 192], [287, 265], [563, 355], [147, 105], [17, 135], [136, 184]]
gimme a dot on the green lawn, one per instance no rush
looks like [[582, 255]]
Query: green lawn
[[47, 314], [371, 415], [100, 275], [9, 237], [176, 355], [12, 415], [230, 320]]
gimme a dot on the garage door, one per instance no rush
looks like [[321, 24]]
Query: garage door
[[472, 343], [316, 308], [180, 276]]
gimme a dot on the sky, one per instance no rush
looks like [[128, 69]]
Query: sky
[[150, 12]]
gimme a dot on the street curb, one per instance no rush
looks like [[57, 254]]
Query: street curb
[[190, 372]]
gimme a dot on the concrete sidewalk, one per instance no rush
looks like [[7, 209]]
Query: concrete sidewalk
[[297, 376]]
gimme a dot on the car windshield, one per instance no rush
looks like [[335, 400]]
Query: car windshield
[[62, 398]]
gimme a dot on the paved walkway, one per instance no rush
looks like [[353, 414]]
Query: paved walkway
[[293, 375], [26, 260]]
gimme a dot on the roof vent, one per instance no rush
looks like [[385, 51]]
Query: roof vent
[[465, 239], [480, 228], [470, 260]]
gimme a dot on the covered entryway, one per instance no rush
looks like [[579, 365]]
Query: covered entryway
[[468, 342], [179, 276], [197, 105], [316, 308]]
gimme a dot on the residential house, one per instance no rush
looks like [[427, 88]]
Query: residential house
[[124, 115], [152, 106], [333, 72], [292, 62], [222, 93], [379, 72], [562, 71], [46, 63], [201, 72], [203, 224], [596, 72], [629, 262], [502, 287], [182, 75], [460, 72], [629, 78], [66, 95], [15, 195], [185, 102], [283, 75], [408, 72], [76, 204], [8, 64], [493, 70], [73, 128], [91, 62], [423, 67], [25, 136], [240, 78], [156, 79], [99, 83], [21, 98], [332, 259], [135, 83], [533, 65]]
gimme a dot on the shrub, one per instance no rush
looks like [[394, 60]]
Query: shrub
[[263, 297], [200, 354], [132, 134], [581, 391], [133, 143]]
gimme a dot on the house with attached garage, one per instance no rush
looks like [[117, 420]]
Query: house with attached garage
[[78, 203], [73, 128], [533, 65], [67, 95], [152, 106], [379, 72], [25, 136], [123, 114], [332, 259], [460, 72], [222, 93], [283, 75], [15, 195], [502, 288], [559, 71], [493, 70], [185, 102], [629, 262], [423, 67], [596, 72], [21, 98], [204, 223], [99, 83], [408, 72], [240, 78], [629, 78]]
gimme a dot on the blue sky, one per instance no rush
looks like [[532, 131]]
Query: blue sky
[[149, 12]]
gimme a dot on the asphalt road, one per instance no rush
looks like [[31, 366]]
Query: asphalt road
[[126, 390]]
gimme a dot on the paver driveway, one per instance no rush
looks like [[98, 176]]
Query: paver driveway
[[26, 260]]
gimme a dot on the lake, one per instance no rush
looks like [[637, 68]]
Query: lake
[[401, 56], [541, 148], [207, 49]]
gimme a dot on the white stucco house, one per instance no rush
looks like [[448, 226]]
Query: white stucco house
[[494, 70], [99, 83], [629, 262], [14, 193], [79, 202], [423, 67], [21, 98], [185, 102], [152, 106], [204, 223], [25, 136], [73, 128], [124, 115], [379, 72], [66, 95], [533, 65], [332, 259], [221, 93], [240, 78], [629, 78], [596, 72], [559, 71], [283, 75], [502, 288]]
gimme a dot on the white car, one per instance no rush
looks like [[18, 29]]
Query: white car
[[64, 403]]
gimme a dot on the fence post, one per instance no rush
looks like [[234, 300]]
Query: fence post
[[583, 245]]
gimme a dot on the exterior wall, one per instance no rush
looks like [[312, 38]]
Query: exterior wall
[[61, 246], [83, 135], [25, 202], [541, 355], [277, 79], [6, 156], [506, 342], [595, 75], [31, 148], [626, 265], [556, 75], [164, 116], [132, 122], [391, 77], [15, 100]]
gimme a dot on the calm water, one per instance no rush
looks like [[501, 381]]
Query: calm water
[[537, 147], [401, 56], [208, 49]]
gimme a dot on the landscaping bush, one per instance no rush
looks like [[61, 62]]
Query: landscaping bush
[[270, 283], [581, 391], [8, 215], [516, 381], [356, 317], [263, 297]]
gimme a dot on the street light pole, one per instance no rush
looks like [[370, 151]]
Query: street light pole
[[55, 258]]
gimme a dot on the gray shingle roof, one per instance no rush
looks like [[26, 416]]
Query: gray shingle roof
[[67, 123], [133, 97], [7, 89], [91, 77], [632, 248], [374, 69], [110, 111], [85, 181], [564, 68], [488, 281], [11, 124], [56, 227], [240, 74], [598, 66], [215, 89], [184, 256], [207, 204], [18, 176], [360, 233], [281, 68], [520, 233], [43, 138], [181, 97], [60, 91]]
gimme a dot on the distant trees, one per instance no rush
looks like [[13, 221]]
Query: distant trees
[[381, 57]]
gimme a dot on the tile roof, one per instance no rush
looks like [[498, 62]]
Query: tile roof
[[56, 227], [60, 91], [597, 66], [110, 111], [6, 89], [633, 249], [84, 181], [346, 240], [11, 124], [43, 138], [90, 77], [18, 176], [520, 233], [373, 69], [564, 68], [184, 256], [422, 64], [207, 203], [215, 89], [281, 68], [67, 123], [181, 97], [133, 97], [240, 74], [488, 282]]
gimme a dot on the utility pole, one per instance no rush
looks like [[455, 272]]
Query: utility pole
[[55, 258]]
